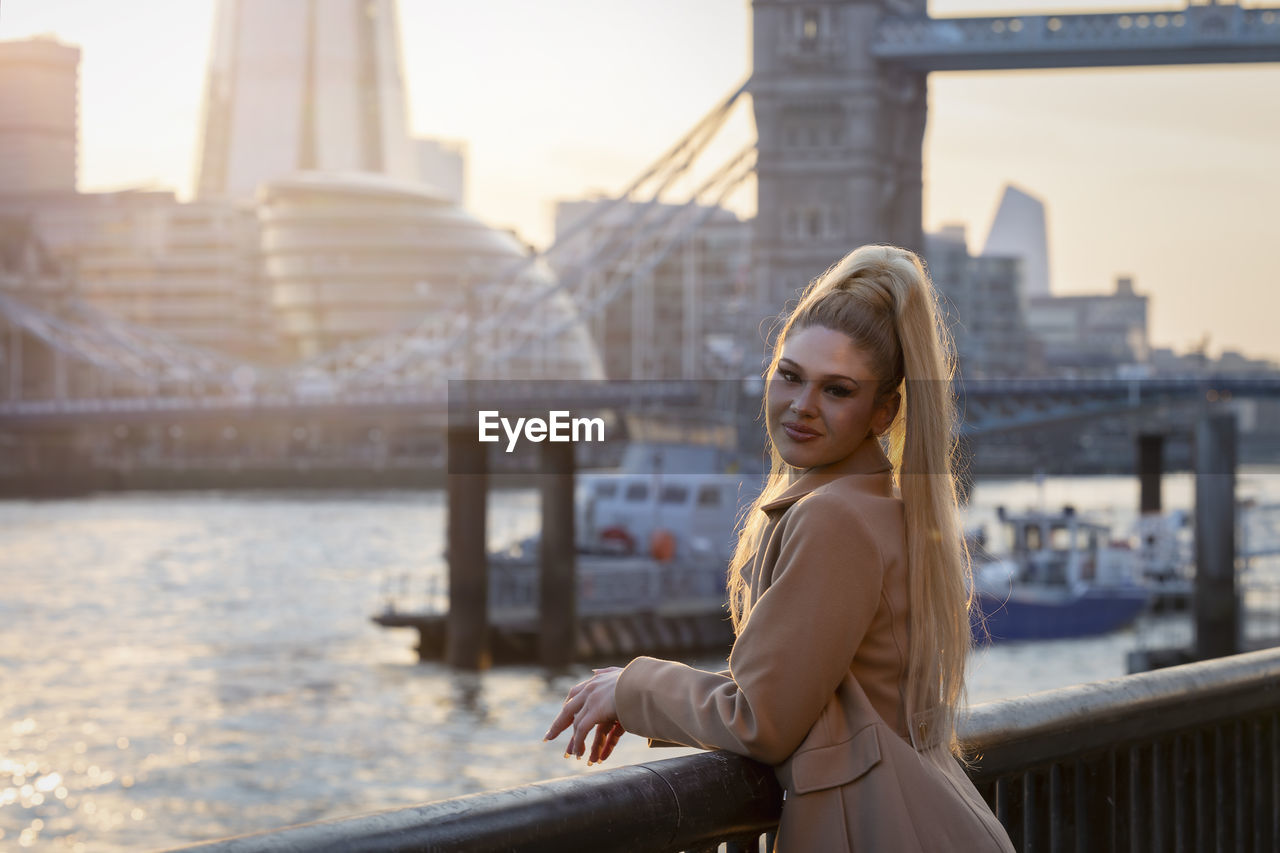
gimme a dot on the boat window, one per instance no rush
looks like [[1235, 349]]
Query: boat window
[[1060, 538], [674, 495], [607, 490], [1033, 538], [637, 492], [709, 496]]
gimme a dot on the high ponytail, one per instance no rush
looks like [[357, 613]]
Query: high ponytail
[[882, 298]]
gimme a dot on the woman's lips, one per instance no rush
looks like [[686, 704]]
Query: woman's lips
[[798, 433]]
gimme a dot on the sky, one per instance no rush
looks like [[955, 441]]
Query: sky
[[1167, 175]]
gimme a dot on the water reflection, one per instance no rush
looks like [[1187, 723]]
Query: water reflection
[[468, 696]]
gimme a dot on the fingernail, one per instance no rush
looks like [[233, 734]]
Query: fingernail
[[566, 753]]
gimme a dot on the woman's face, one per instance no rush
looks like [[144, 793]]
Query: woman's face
[[819, 402]]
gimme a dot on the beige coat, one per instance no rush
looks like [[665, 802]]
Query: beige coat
[[817, 679]]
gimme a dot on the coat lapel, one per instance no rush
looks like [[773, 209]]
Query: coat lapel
[[867, 458]]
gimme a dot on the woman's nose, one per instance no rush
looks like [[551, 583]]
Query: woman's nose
[[805, 399]]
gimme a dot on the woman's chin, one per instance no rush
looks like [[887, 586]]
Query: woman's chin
[[797, 455]]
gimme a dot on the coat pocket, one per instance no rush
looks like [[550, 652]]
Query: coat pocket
[[828, 766]]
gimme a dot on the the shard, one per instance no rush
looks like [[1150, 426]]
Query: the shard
[[302, 85]]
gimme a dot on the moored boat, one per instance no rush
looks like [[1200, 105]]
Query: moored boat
[[656, 533], [1063, 577]]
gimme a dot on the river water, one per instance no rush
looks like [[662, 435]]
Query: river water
[[180, 667]]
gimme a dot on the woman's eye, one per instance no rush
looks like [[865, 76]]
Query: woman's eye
[[788, 376], [839, 391]]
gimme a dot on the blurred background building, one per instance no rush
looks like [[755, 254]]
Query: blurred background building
[[318, 219], [1019, 230], [984, 304], [39, 116], [1005, 320], [692, 316], [351, 256], [1092, 332]]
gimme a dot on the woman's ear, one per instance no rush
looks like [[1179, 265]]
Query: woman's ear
[[884, 414]]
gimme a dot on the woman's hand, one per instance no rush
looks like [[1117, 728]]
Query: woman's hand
[[591, 705]]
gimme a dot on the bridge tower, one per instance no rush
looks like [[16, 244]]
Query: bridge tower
[[840, 139], [839, 91]]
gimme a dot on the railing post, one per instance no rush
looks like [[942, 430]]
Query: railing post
[[467, 629], [557, 588], [1217, 619]]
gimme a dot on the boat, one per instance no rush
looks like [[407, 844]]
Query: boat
[[1064, 576], [655, 533], [1166, 561]]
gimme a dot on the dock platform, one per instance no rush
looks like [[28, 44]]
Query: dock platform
[[513, 634]]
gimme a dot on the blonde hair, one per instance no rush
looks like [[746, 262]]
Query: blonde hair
[[881, 297]]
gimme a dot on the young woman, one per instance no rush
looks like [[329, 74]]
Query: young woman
[[848, 588]]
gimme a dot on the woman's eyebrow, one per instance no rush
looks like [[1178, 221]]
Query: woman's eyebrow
[[791, 363]]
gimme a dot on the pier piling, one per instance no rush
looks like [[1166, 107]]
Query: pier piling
[[467, 630], [1150, 471], [1216, 611], [557, 588]]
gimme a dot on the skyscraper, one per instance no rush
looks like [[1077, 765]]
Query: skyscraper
[[983, 307], [302, 85], [39, 116], [1019, 231]]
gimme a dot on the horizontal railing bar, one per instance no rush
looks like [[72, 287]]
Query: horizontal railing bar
[[666, 805], [1015, 734]]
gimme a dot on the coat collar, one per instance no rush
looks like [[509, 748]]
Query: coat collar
[[867, 458]]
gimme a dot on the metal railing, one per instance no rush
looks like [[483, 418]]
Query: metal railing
[[693, 803], [1183, 758]]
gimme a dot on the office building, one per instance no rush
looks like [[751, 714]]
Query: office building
[[39, 116], [1019, 230], [1094, 332], [188, 270], [982, 306], [354, 257]]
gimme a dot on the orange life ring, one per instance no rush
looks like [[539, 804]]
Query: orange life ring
[[662, 545]]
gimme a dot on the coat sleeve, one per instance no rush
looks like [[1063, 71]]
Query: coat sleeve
[[789, 658]]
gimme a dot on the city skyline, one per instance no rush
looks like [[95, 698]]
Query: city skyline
[[1151, 169]]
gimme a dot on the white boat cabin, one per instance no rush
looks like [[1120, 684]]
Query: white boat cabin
[[1061, 549], [671, 501], [662, 515]]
